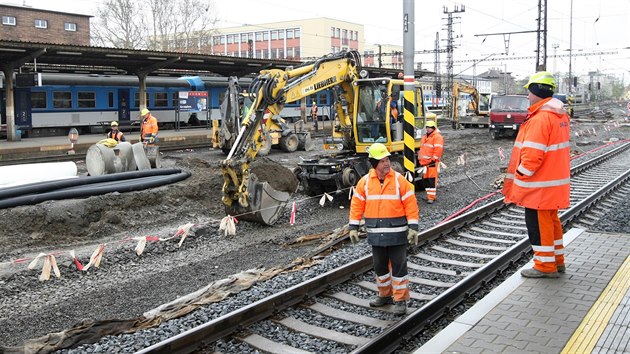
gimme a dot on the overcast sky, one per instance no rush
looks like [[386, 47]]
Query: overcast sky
[[598, 25]]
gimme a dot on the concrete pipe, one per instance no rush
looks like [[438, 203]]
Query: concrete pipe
[[36, 172], [140, 157], [153, 154], [124, 151], [99, 160]]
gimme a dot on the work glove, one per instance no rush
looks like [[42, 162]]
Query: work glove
[[412, 237], [151, 140], [354, 236]]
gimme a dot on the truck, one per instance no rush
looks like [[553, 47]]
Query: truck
[[507, 113], [358, 124]]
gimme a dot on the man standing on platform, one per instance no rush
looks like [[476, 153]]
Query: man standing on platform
[[149, 128], [539, 173], [387, 202]]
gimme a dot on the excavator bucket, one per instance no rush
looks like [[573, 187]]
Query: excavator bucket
[[269, 189]]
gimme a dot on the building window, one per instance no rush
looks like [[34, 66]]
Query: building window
[[332, 32], [41, 24], [336, 32], [274, 35], [160, 99], [297, 33], [281, 34], [259, 36], [289, 33], [62, 99], [8, 20], [230, 39], [86, 100], [38, 99], [69, 26], [266, 36]]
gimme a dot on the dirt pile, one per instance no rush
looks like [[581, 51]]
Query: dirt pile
[[278, 176]]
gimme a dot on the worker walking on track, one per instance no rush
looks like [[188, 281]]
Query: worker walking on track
[[431, 148], [149, 128], [115, 133], [387, 202], [538, 175]]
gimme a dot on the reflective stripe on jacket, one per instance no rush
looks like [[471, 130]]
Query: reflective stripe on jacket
[[431, 147], [149, 127], [389, 210], [539, 171]]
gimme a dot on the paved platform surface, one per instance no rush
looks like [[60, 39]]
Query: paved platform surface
[[585, 310], [56, 145]]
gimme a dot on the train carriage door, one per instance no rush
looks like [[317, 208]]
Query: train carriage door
[[123, 105], [23, 117]]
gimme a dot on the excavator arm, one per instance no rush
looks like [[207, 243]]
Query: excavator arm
[[463, 88], [259, 192]]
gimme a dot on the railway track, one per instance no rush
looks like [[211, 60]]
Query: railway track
[[330, 312]]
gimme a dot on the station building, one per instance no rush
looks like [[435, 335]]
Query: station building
[[23, 23]]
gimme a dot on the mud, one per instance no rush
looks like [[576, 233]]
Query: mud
[[278, 176]]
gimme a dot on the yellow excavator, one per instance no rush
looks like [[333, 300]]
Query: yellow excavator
[[365, 112], [479, 104], [236, 103]]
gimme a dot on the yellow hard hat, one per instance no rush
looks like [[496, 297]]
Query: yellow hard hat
[[114, 124], [378, 151], [542, 77], [144, 112], [431, 124]]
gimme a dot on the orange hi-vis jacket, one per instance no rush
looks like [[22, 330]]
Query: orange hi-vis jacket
[[118, 136], [539, 171], [389, 210], [431, 148], [149, 127]]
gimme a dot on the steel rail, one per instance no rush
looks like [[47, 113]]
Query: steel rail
[[390, 338]]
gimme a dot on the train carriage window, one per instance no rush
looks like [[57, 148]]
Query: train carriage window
[[38, 99], [86, 99], [137, 98], [62, 99], [174, 99], [160, 99], [110, 99]]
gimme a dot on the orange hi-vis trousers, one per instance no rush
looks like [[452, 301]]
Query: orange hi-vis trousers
[[545, 235], [390, 266]]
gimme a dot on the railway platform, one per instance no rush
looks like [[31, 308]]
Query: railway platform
[[585, 310], [60, 145]]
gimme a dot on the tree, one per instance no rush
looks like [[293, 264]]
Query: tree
[[164, 25], [120, 24]]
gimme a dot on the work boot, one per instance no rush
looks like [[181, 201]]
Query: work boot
[[430, 201], [378, 301], [562, 268], [400, 308], [535, 273]]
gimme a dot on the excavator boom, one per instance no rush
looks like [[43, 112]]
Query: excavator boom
[[258, 190]]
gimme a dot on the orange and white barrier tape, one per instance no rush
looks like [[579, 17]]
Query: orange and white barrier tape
[[50, 264]]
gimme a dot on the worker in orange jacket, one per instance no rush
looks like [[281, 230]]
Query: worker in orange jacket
[[538, 175], [431, 148], [149, 128], [387, 202], [115, 133]]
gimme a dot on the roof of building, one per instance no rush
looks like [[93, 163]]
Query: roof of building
[[23, 7]]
